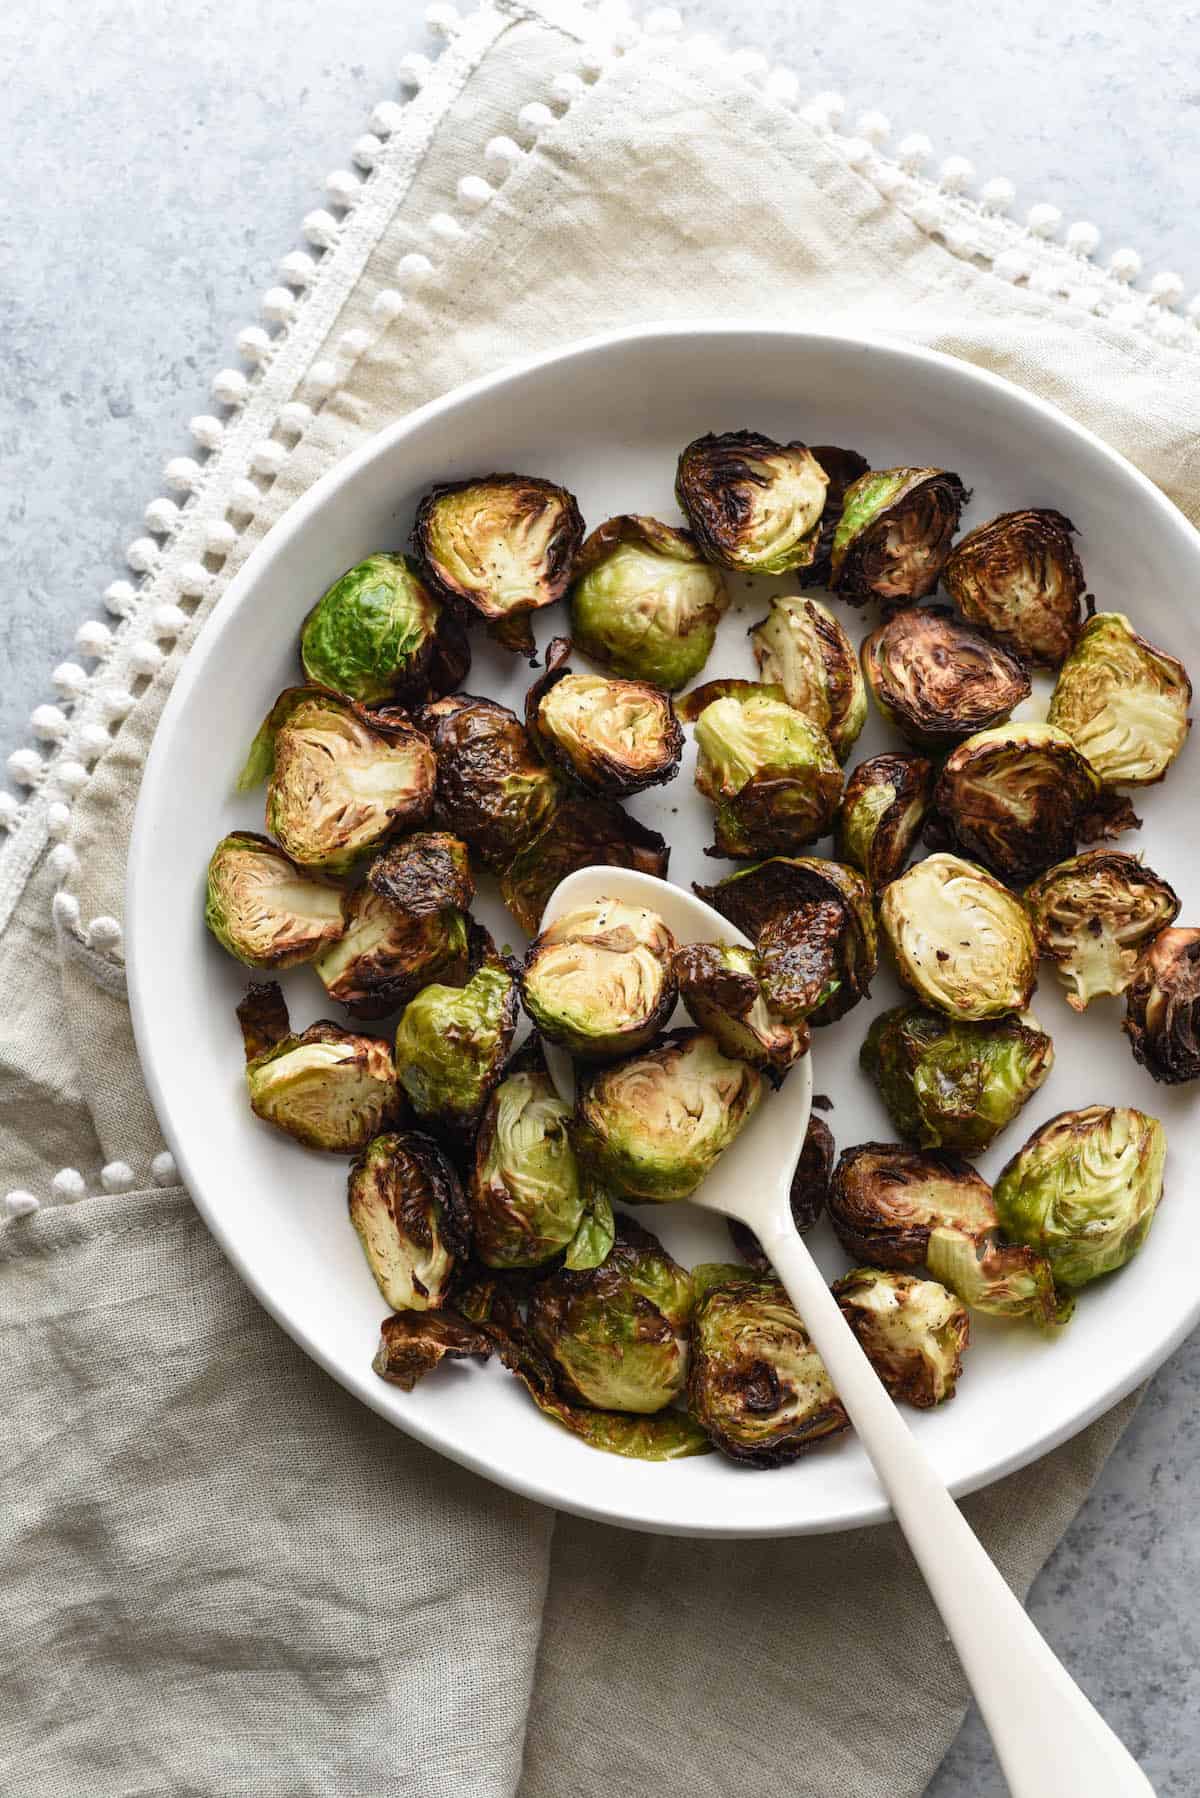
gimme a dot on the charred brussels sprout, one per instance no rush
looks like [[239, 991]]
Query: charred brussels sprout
[[954, 1085], [1019, 578], [652, 1127], [753, 504], [387, 955], [600, 980], [913, 1332], [719, 984], [451, 1045], [425, 873], [645, 603], [1122, 702], [810, 1190], [411, 1217], [263, 909], [883, 809], [1017, 798], [339, 778], [371, 635], [937, 681], [618, 1334], [327, 1088], [413, 1343], [527, 1194], [503, 543], [1094, 915], [770, 773], [894, 534], [1163, 1008], [1084, 1189], [842, 468], [580, 833], [960, 939], [801, 648], [610, 736], [492, 789]]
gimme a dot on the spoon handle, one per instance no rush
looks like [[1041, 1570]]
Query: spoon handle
[[1050, 1742]]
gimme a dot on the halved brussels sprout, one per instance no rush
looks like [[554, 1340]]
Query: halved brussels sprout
[[645, 604], [937, 681], [414, 1342], [1017, 799], [809, 1191], [387, 955], [1019, 578], [1163, 1008], [1084, 1189], [894, 534], [408, 1208], [801, 648], [327, 1088], [371, 635], [800, 962], [503, 543], [580, 833], [600, 980], [842, 468], [954, 1085], [753, 504], [757, 1385], [339, 777], [492, 789], [425, 873], [719, 984], [770, 773], [611, 736], [1123, 702], [913, 1332], [1094, 915], [960, 939], [883, 809], [653, 1127], [451, 1046], [263, 909], [527, 1194]]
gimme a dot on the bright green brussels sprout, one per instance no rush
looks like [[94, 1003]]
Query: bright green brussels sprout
[[1018, 577], [599, 981], [809, 1191], [580, 833], [339, 777], [617, 1334], [883, 809], [960, 939], [645, 604], [1122, 702], [492, 788], [503, 543], [609, 736], [720, 986], [451, 1046], [1162, 1017], [371, 635], [954, 1085], [894, 534], [653, 1127], [1094, 915], [770, 773], [1084, 1189], [408, 1208], [263, 909], [327, 1088], [842, 468], [938, 681], [913, 1332], [753, 504], [427, 872], [386, 955], [412, 1343], [802, 649], [527, 1194]]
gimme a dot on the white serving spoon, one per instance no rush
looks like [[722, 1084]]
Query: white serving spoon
[[1049, 1740]]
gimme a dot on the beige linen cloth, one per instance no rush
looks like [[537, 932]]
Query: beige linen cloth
[[220, 1573]]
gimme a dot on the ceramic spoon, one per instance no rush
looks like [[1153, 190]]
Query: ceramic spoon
[[1049, 1740]]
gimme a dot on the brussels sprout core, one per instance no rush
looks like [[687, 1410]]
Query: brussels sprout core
[[411, 1217], [894, 533], [1094, 915], [960, 940], [371, 635], [527, 1196], [936, 680], [801, 648], [327, 1088], [387, 955], [720, 986], [599, 980], [451, 1045], [1019, 578], [753, 504], [611, 736], [770, 773], [954, 1085], [913, 1332], [1163, 1008], [263, 909], [1017, 797], [1122, 702], [580, 833], [883, 809], [504, 543], [645, 603], [492, 789]]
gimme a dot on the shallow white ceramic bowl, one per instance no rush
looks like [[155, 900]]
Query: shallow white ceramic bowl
[[608, 418]]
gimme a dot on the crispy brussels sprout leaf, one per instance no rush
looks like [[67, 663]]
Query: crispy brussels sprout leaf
[[721, 988], [581, 833], [413, 1343], [386, 955], [371, 635], [411, 1217], [1093, 915], [753, 504], [425, 873], [451, 1046], [600, 980], [1001, 1279], [1163, 1008], [800, 961], [960, 940], [771, 774], [810, 1190], [609, 736], [1122, 702], [894, 534], [913, 1332], [1018, 578], [527, 1194], [1017, 798], [594, 1238], [938, 681], [801, 648], [954, 1085], [883, 809], [503, 543], [645, 604], [327, 1088], [492, 789], [263, 909], [842, 468]]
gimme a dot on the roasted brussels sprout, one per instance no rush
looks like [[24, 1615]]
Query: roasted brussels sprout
[[894, 534], [810, 1189], [600, 980], [645, 604], [610, 736], [960, 939], [1094, 915], [387, 955], [720, 986], [842, 468], [757, 1384], [580, 833], [1084, 1189], [1017, 798], [371, 635], [770, 773], [327, 1088], [451, 1046], [1019, 578], [954, 1085], [263, 909], [937, 681], [412, 1344], [801, 648], [339, 778], [617, 1334], [652, 1127], [492, 789], [913, 1332], [1122, 702], [883, 809], [753, 504], [527, 1195], [427, 872], [411, 1217], [503, 543], [1163, 1008]]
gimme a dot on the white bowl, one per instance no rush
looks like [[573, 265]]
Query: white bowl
[[608, 418]]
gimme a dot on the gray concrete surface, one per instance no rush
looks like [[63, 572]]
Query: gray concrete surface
[[158, 158]]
